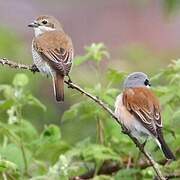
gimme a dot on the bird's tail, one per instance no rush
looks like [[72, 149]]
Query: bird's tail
[[59, 87], [166, 150]]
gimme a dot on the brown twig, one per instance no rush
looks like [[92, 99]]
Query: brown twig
[[173, 176], [32, 68]]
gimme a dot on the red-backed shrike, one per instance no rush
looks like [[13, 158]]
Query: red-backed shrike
[[138, 109], [52, 51]]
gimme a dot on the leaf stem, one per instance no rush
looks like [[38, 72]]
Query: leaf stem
[[100, 130]]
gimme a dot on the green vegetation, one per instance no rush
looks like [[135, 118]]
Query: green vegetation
[[93, 140]]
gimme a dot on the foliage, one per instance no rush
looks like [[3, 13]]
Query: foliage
[[27, 153], [171, 6]]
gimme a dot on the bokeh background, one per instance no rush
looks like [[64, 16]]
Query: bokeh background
[[141, 35]]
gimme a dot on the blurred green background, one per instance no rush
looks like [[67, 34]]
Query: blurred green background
[[140, 35]]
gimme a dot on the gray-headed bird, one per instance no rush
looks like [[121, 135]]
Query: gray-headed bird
[[138, 109]]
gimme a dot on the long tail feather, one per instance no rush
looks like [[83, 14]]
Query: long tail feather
[[59, 87], [166, 150]]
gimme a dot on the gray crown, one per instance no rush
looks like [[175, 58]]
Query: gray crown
[[136, 79]]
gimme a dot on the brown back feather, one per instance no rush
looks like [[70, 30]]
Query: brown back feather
[[142, 103]]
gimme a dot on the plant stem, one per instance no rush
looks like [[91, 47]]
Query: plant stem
[[100, 131], [24, 155], [4, 176], [18, 111]]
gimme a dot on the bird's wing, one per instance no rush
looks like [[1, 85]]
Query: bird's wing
[[56, 48], [142, 103]]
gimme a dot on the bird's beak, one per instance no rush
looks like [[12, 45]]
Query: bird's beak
[[33, 25]]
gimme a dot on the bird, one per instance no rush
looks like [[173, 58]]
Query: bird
[[138, 109], [52, 51]]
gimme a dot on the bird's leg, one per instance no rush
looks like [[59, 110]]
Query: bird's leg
[[69, 82], [125, 130], [34, 68], [139, 153], [69, 79], [144, 143]]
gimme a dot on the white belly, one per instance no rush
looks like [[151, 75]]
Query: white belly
[[41, 64], [128, 120]]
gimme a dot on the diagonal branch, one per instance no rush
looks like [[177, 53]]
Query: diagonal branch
[[96, 99]]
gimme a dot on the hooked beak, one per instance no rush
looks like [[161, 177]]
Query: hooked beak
[[33, 25]]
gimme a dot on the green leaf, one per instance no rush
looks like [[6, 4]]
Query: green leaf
[[51, 132], [52, 149], [9, 168], [6, 130], [31, 100], [20, 80], [26, 130], [71, 112], [115, 76], [97, 51], [170, 6], [128, 174], [80, 59], [94, 52], [14, 154], [96, 152], [7, 104], [50, 143], [8, 92], [39, 168]]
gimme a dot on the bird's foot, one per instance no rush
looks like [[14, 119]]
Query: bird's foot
[[69, 82], [125, 130], [143, 144], [34, 68], [69, 79]]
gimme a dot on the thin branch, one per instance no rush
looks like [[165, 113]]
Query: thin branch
[[96, 99], [173, 176]]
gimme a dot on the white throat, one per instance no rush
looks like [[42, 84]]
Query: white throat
[[42, 29]]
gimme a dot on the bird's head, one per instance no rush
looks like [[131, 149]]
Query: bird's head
[[137, 79], [44, 24]]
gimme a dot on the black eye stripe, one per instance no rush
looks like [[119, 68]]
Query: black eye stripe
[[146, 82], [44, 22]]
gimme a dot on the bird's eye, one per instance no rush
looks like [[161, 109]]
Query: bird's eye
[[147, 83], [44, 22]]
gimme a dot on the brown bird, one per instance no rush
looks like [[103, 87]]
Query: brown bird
[[139, 111], [52, 51]]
